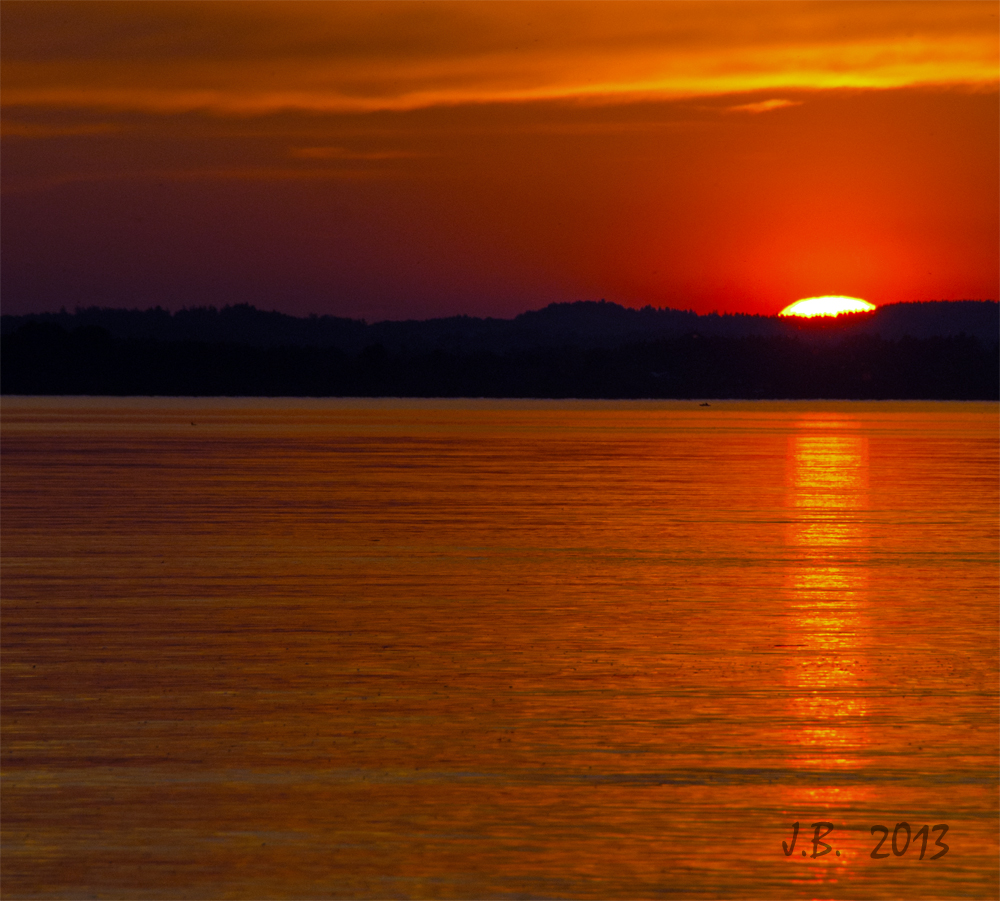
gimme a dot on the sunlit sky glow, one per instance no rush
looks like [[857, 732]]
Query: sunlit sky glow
[[394, 160]]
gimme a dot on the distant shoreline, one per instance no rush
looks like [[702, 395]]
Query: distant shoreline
[[50, 361], [935, 351], [582, 324]]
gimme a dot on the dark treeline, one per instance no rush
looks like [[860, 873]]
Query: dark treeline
[[584, 325], [45, 358]]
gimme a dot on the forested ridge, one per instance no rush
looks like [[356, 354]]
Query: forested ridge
[[939, 350]]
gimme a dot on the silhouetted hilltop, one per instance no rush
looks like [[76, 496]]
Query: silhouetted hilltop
[[931, 319], [239, 324], [584, 324], [945, 350]]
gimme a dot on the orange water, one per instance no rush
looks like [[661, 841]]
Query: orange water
[[476, 649]]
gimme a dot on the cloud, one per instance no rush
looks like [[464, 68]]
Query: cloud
[[344, 153], [762, 106], [247, 59], [14, 129]]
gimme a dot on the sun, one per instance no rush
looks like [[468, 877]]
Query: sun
[[827, 305]]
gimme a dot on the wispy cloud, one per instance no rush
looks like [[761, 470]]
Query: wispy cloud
[[346, 154], [14, 129], [254, 58], [762, 106]]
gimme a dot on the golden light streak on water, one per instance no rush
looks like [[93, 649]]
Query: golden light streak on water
[[827, 594]]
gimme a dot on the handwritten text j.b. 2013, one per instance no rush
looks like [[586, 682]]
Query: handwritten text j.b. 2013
[[901, 837]]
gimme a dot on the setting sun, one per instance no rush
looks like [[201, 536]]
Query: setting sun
[[827, 305]]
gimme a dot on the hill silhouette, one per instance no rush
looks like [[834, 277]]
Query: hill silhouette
[[583, 324], [942, 349]]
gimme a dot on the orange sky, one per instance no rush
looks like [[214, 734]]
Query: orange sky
[[388, 160]]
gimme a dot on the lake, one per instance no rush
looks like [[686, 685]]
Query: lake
[[287, 648]]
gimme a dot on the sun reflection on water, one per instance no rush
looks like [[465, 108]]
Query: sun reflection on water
[[826, 591]]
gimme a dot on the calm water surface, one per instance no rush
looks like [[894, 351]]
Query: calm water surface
[[486, 649]]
